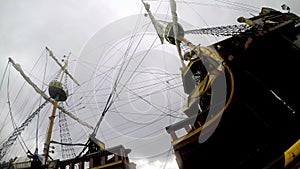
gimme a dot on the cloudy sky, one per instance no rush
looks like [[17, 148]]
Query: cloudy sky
[[102, 36]]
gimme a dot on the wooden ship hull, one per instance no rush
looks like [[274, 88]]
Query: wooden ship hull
[[260, 126], [112, 158]]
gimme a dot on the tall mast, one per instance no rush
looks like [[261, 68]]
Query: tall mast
[[59, 94], [172, 31]]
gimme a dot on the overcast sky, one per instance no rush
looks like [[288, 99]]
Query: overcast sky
[[97, 33]]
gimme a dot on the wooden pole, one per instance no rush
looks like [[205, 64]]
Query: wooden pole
[[49, 133]]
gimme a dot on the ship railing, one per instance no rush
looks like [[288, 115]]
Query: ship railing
[[189, 124]]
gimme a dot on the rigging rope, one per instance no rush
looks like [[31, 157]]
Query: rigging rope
[[111, 97], [239, 5], [2, 80], [20, 91], [10, 113], [124, 86], [38, 116], [17, 130], [118, 78]]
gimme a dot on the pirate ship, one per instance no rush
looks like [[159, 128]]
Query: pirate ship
[[242, 100], [94, 153], [242, 93]]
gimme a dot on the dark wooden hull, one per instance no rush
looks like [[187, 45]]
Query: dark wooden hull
[[263, 121]]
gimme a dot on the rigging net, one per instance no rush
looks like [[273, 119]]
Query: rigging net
[[67, 151], [17, 131], [229, 30]]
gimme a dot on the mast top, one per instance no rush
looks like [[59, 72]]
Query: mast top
[[61, 66], [57, 90]]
